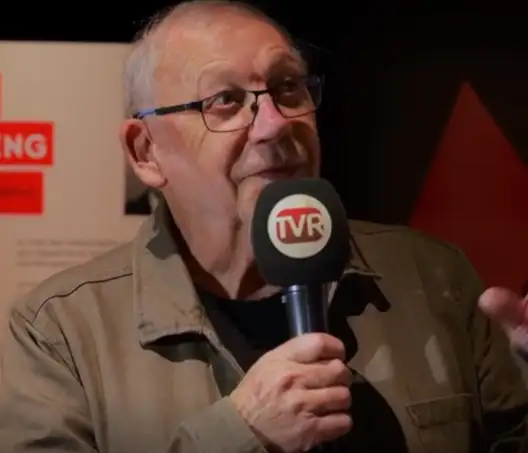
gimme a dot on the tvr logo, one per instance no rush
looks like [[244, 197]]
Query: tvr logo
[[299, 226], [295, 225]]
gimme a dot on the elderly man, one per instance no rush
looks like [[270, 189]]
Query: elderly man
[[173, 343]]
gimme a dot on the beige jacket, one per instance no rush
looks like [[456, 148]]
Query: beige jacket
[[117, 356]]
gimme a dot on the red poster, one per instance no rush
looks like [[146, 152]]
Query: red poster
[[21, 193], [26, 143], [476, 194]]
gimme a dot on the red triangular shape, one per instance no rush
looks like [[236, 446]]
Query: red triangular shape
[[476, 194]]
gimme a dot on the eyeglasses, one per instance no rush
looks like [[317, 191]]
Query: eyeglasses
[[236, 108]]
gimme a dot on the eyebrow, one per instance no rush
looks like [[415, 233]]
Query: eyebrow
[[218, 75], [288, 60], [285, 62]]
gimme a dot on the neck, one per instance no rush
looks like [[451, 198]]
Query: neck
[[220, 259]]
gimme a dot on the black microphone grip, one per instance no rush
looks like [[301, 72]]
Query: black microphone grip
[[307, 308]]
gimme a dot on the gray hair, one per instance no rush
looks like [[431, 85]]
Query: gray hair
[[148, 45]]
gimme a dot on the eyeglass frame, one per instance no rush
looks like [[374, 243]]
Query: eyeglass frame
[[198, 105]]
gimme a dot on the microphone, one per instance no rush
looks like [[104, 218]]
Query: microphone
[[300, 238]]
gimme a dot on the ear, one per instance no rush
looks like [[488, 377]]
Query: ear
[[137, 145]]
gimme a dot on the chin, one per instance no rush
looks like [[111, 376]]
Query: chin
[[247, 198]]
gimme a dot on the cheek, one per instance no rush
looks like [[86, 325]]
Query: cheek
[[306, 138], [198, 164], [220, 153], [178, 152]]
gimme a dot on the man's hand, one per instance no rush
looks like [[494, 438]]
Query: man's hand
[[298, 395], [510, 311]]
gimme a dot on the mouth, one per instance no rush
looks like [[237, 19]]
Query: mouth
[[282, 172]]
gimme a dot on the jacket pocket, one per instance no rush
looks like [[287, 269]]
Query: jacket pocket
[[444, 424]]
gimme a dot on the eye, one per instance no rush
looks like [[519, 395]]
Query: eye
[[228, 99], [289, 86], [291, 92]]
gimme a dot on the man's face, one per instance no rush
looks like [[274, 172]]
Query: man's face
[[218, 174]]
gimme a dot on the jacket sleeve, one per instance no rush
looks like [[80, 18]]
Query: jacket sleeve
[[43, 406], [502, 390]]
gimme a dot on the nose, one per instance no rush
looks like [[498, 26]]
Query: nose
[[269, 125]]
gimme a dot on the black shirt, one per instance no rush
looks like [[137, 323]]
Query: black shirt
[[248, 329]]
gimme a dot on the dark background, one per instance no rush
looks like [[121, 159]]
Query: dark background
[[393, 81]]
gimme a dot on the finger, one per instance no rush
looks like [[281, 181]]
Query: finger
[[312, 347], [329, 374], [327, 400], [504, 307], [332, 426]]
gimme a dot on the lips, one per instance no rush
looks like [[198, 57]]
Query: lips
[[278, 172]]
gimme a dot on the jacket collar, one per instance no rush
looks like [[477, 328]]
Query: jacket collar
[[165, 301]]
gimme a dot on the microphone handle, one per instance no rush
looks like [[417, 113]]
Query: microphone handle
[[307, 308]]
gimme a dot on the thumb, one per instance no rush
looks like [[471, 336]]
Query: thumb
[[504, 307], [312, 347]]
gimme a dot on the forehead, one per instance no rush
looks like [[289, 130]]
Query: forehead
[[226, 44]]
